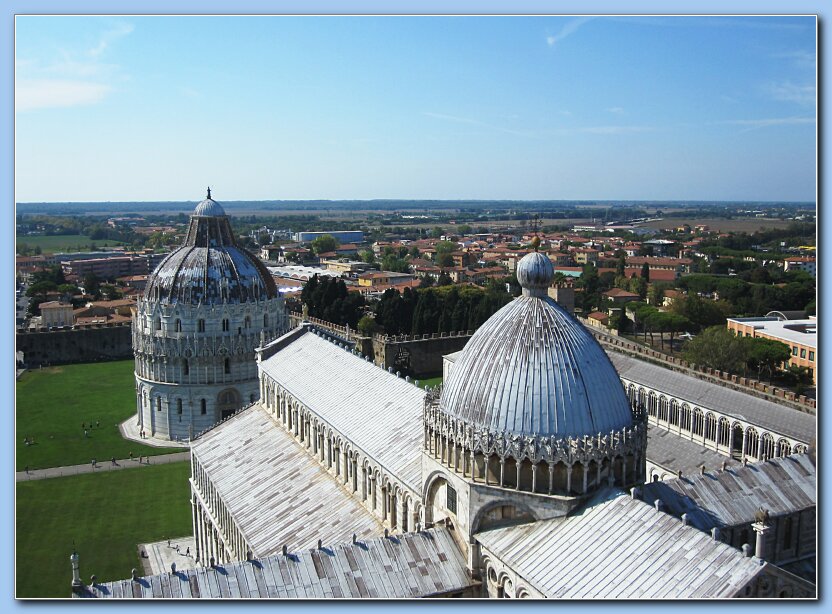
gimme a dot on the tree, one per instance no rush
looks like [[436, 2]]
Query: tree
[[264, 238], [645, 272], [444, 280], [620, 267], [367, 256], [701, 312], [324, 244], [766, 354], [367, 326], [443, 253], [717, 347]]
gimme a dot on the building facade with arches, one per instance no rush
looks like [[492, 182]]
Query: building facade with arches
[[205, 309]]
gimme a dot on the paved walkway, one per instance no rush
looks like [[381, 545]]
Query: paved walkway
[[131, 431], [160, 555], [101, 466]]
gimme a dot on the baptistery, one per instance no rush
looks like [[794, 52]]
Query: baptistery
[[205, 309]]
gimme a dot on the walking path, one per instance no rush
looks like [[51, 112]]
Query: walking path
[[160, 555], [131, 431], [101, 466]]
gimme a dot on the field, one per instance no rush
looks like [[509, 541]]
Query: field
[[63, 243], [105, 516], [744, 224], [430, 381], [52, 403]]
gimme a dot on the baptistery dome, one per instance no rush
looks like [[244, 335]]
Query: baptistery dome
[[532, 369], [210, 268]]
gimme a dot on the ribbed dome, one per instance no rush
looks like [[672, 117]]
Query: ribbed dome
[[209, 207], [210, 267], [532, 369]]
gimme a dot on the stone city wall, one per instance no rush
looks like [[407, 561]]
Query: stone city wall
[[418, 356], [87, 344], [729, 380]]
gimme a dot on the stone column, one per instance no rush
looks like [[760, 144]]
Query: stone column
[[568, 479], [761, 528], [744, 442], [551, 477], [502, 470]]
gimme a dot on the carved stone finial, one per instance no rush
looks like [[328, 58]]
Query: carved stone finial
[[761, 516], [209, 193]]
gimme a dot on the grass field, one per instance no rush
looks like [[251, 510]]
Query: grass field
[[431, 381], [63, 243], [745, 224], [53, 402], [106, 515]]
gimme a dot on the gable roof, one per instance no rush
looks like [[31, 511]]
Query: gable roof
[[276, 492], [402, 566], [378, 412], [729, 498], [621, 548]]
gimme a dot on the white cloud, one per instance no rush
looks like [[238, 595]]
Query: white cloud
[[614, 129], [616, 110], [119, 30], [791, 92], [476, 122], [50, 93], [763, 123], [569, 28]]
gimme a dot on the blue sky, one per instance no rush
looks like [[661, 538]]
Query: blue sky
[[667, 108]]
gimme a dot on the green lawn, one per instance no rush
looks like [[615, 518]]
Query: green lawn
[[106, 515], [53, 402], [431, 381], [64, 243]]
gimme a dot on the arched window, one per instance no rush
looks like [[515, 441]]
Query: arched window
[[157, 324], [724, 432], [752, 443], [767, 446], [663, 408], [178, 327], [783, 448], [710, 427], [265, 320], [651, 404], [674, 413], [202, 409], [200, 326], [698, 421], [247, 322], [178, 406], [228, 365], [225, 325], [685, 417], [158, 403], [186, 366]]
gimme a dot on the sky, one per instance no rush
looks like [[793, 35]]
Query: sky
[[134, 108]]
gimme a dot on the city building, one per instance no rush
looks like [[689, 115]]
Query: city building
[[800, 335], [56, 313], [343, 236], [375, 279], [619, 296], [205, 309], [800, 263]]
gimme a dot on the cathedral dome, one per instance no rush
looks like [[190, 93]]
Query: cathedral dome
[[532, 369], [210, 268], [209, 207]]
